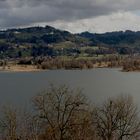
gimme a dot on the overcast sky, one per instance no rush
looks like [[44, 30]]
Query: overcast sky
[[72, 15]]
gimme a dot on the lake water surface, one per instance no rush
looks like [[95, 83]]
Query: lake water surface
[[98, 84]]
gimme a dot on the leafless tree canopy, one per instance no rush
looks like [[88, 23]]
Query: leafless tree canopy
[[61, 113], [117, 119], [64, 112]]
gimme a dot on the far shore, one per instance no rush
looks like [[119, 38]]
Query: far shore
[[20, 68], [33, 68], [11, 67]]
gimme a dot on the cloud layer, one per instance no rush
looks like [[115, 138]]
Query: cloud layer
[[71, 14], [100, 24]]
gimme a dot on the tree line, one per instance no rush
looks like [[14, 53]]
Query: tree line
[[73, 63], [63, 113]]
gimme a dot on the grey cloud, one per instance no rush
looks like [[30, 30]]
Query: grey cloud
[[26, 12]]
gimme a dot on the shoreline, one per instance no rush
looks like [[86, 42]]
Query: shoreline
[[33, 68], [20, 68]]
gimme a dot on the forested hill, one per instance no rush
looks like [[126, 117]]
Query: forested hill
[[38, 41], [114, 38], [48, 41], [50, 35], [37, 35]]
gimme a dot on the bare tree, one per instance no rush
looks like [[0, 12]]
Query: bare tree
[[8, 124], [63, 111], [18, 124], [117, 119]]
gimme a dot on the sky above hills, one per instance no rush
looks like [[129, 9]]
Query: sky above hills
[[72, 15]]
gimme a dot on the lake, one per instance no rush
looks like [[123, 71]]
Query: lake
[[17, 88]]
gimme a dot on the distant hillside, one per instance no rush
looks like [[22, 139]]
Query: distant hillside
[[48, 41], [46, 34], [123, 42], [37, 41], [114, 38]]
